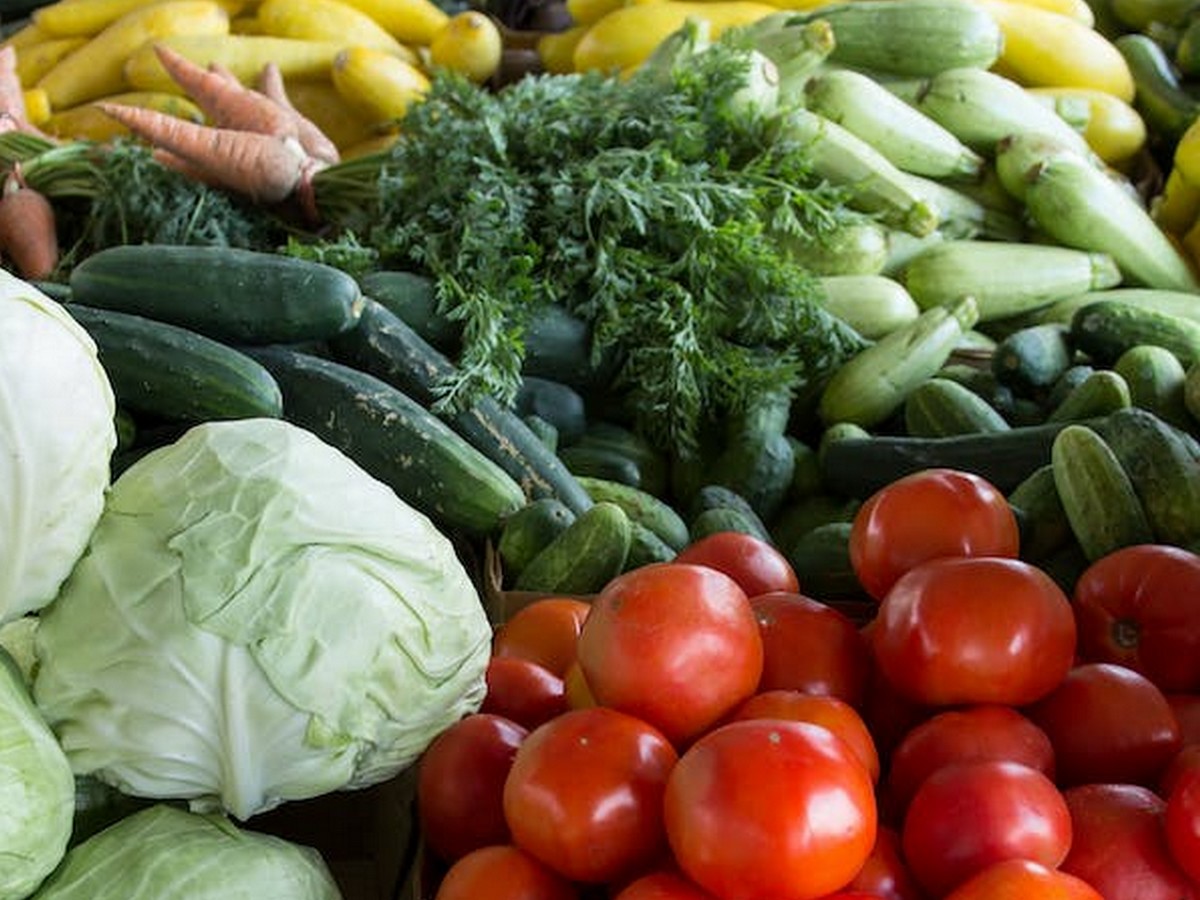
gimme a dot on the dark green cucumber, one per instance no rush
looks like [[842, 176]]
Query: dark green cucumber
[[725, 518], [1156, 381], [941, 407], [395, 439], [1074, 376], [983, 381], [584, 461], [554, 402], [1163, 469], [859, 467], [585, 557], [1160, 96], [1102, 392], [642, 508], [1033, 358], [413, 297], [543, 430], [1107, 328], [799, 518], [1040, 514], [383, 345], [720, 496], [227, 293], [606, 436], [806, 470], [646, 547], [760, 469], [529, 530], [173, 373], [821, 561]]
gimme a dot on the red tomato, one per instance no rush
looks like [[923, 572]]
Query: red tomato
[[1181, 764], [585, 791], [663, 886], [674, 644], [927, 515], [523, 691], [810, 646], [765, 809], [1182, 822], [756, 565], [889, 715], [966, 816], [1187, 713], [460, 784], [836, 715], [1119, 847], [503, 872], [1108, 723], [969, 734], [1022, 879], [545, 632], [1139, 607], [885, 874], [974, 630], [575, 686]]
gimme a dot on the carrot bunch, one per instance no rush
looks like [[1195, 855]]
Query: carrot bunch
[[255, 143]]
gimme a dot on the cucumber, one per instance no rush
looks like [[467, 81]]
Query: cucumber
[[543, 430], [554, 402], [1161, 98], [1033, 358], [981, 380], [1164, 470], [1156, 381], [1074, 376], [1107, 328], [801, 517], [1102, 392], [646, 547], [806, 470], [226, 293], [600, 462], [605, 436], [383, 345], [719, 496], [758, 468], [725, 518], [586, 556], [1097, 495], [395, 439], [821, 561], [858, 468], [1040, 513], [941, 407], [1175, 303], [529, 530], [1191, 393], [642, 508], [173, 373], [413, 297]]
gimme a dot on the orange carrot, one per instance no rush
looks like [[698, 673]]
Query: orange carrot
[[28, 232], [265, 168], [12, 94], [311, 137]]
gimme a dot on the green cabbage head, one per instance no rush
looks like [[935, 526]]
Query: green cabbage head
[[37, 790], [167, 853], [57, 433], [257, 620]]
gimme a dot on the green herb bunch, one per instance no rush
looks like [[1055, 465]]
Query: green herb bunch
[[648, 206]]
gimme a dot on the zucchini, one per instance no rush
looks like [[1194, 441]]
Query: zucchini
[[227, 293], [1163, 469], [642, 508], [1102, 392], [1107, 328], [395, 439], [1099, 499], [172, 373], [859, 467], [872, 305], [589, 553], [941, 407], [383, 345]]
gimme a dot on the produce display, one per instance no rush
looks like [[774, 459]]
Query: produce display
[[624, 449]]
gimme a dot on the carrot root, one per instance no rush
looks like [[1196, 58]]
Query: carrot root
[[315, 142], [28, 230]]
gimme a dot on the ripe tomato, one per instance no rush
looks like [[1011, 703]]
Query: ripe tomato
[[830, 712], [1182, 822], [675, 644], [966, 816], [503, 872], [1119, 847], [756, 565], [585, 794], [1187, 712], [810, 646], [885, 874], [969, 734], [663, 885], [1108, 723], [1022, 879], [1139, 607], [926, 515], [545, 632], [523, 691], [981, 629], [1181, 764], [460, 784], [764, 809]]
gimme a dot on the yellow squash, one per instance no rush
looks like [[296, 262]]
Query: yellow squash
[[377, 84], [328, 20], [243, 54], [412, 22], [88, 121], [85, 18], [37, 59], [1115, 130], [320, 102], [470, 44]]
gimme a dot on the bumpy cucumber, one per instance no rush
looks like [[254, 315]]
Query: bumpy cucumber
[[529, 530], [581, 560], [941, 407], [642, 508], [1102, 392], [1040, 513], [1156, 381], [1107, 328]]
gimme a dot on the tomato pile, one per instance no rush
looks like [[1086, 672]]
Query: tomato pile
[[703, 730]]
